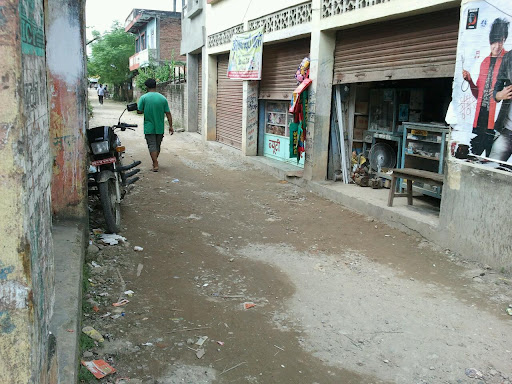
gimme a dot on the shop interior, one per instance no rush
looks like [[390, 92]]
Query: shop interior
[[386, 125]]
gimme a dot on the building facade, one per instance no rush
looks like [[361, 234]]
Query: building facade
[[157, 36], [389, 61]]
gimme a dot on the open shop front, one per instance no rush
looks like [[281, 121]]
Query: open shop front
[[280, 62], [394, 83]]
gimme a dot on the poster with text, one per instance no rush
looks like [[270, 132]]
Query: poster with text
[[246, 55], [480, 114]]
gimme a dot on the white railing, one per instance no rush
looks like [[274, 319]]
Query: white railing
[[142, 59], [337, 7], [224, 37], [286, 18]]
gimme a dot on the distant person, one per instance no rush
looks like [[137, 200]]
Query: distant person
[[483, 125], [502, 147], [101, 93], [105, 91], [154, 106]]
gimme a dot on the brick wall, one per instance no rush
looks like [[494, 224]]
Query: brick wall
[[26, 261], [176, 95], [170, 39]]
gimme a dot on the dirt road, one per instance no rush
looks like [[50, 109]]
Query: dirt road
[[339, 297]]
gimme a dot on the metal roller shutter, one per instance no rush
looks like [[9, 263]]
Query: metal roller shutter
[[200, 95], [416, 47], [229, 106], [280, 62]]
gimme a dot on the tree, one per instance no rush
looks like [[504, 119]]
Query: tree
[[110, 56]]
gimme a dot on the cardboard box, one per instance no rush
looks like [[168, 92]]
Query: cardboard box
[[362, 107], [361, 122]]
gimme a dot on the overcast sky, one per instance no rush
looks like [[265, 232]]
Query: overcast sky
[[100, 14]]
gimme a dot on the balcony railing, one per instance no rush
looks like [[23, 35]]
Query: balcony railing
[[142, 59], [337, 7]]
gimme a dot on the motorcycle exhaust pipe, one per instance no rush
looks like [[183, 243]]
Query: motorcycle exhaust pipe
[[127, 167], [131, 181], [132, 173]]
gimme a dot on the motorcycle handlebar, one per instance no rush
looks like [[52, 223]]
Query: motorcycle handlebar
[[123, 126]]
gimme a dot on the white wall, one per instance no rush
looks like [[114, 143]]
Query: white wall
[[228, 13]]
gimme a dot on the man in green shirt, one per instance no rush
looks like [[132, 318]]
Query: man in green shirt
[[154, 106]]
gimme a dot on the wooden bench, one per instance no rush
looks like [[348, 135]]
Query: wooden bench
[[411, 175]]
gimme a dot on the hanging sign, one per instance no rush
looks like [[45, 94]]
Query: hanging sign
[[246, 55], [481, 112]]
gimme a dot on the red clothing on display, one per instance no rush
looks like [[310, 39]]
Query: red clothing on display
[[478, 90]]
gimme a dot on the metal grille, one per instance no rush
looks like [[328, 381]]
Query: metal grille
[[422, 46], [200, 94], [229, 106], [337, 7], [289, 17], [280, 62]]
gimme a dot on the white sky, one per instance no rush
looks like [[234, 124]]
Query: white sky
[[100, 14]]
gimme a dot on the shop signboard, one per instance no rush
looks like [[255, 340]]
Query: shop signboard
[[245, 57], [481, 112]]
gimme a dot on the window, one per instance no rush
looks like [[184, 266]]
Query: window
[[143, 41], [277, 118]]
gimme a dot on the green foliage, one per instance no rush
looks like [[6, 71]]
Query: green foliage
[[110, 56], [161, 73], [84, 376]]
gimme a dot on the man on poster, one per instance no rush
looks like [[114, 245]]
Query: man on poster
[[483, 126], [502, 148]]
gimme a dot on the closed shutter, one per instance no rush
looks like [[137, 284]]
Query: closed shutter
[[200, 95], [416, 47], [280, 62], [229, 106]]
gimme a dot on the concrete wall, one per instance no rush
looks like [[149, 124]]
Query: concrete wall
[[26, 260], [67, 85], [476, 214], [176, 95], [193, 28]]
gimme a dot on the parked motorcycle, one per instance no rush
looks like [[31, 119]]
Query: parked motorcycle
[[108, 177]]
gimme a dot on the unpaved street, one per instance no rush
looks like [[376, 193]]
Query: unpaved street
[[339, 297]]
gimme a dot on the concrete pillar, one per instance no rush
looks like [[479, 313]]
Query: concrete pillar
[[320, 93], [250, 118], [210, 99], [68, 99], [26, 260], [192, 92]]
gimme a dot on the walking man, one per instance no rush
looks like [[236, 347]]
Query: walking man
[[154, 106], [101, 93]]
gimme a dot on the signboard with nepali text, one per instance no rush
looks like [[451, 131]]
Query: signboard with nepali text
[[245, 57], [481, 111]]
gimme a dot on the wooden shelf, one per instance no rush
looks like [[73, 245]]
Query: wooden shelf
[[422, 156], [424, 140]]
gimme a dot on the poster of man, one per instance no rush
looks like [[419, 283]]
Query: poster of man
[[481, 116]]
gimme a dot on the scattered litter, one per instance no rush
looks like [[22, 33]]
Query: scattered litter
[[103, 294], [97, 231], [201, 340], [121, 303], [112, 239], [95, 308], [126, 380], [115, 317], [139, 269], [220, 342], [231, 260], [236, 366], [387, 235], [70, 331], [248, 305], [129, 293], [176, 181], [93, 334], [95, 264], [279, 348], [190, 341], [106, 315], [473, 373], [177, 319], [200, 353], [205, 284], [509, 311], [148, 344], [282, 366], [138, 249], [188, 329], [99, 368]]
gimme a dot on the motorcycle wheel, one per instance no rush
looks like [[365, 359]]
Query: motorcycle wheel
[[111, 208]]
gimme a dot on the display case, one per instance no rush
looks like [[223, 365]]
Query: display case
[[424, 147]]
